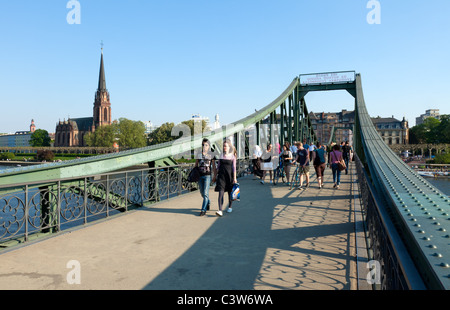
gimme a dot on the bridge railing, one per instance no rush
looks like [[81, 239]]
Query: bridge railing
[[391, 269], [32, 210]]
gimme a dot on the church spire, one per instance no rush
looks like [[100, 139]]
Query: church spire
[[101, 79], [102, 105]]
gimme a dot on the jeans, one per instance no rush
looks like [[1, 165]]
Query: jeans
[[346, 159], [336, 174], [203, 185]]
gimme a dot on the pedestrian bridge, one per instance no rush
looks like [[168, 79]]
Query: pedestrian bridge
[[405, 220], [275, 238]]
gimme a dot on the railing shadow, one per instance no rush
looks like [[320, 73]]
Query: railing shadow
[[266, 246]]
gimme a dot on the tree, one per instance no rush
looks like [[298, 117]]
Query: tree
[[161, 134], [131, 134], [103, 136], [166, 133], [431, 127], [444, 128], [46, 155], [40, 138], [431, 131]]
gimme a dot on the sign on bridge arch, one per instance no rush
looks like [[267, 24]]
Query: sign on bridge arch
[[328, 78]]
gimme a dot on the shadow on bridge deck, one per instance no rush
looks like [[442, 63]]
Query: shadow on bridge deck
[[275, 238]]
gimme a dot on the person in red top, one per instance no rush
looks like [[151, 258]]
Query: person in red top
[[335, 157]]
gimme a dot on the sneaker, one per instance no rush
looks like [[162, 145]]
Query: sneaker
[[229, 210], [288, 184], [219, 213], [334, 186], [202, 213], [262, 182], [307, 185], [299, 187], [337, 186]]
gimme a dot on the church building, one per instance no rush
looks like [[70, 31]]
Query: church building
[[72, 131]]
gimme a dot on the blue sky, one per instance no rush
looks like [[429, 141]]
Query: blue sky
[[166, 60]]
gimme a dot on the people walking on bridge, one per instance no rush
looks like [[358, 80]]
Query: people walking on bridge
[[302, 159], [226, 175], [206, 164], [335, 158], [346, 154], [319, 156], [287, 161], [267, 164], [256, 160], [294, 148]]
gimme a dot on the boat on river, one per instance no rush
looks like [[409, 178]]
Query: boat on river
[[430, 173]]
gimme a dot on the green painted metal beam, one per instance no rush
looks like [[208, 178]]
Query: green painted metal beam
[[112, 162]]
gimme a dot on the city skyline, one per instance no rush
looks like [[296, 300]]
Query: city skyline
[[166, 61]]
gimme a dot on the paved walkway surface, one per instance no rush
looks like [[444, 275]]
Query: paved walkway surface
[[275, 238]]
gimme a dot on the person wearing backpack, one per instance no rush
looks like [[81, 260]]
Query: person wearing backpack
[[319, 156], [205, 162], [346, 154], [302, 159]]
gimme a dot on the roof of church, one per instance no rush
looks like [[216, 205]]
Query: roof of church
[[82, 124]]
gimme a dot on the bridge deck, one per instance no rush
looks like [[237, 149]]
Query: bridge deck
[[275, 238]]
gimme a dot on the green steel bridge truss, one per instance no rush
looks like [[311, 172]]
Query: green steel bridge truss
[[414, 213]]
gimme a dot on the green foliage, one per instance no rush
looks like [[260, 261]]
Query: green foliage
[[431, 131], [129, 134], [45, 155], [168, 132], [40, 138], [103, 136], [6, 156], [162, 134], [442, 159]]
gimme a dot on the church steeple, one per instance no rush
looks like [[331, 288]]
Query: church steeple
[[102, 105], [101, 78]]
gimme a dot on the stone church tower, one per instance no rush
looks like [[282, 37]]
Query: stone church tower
[[72, 131], [102, 105]]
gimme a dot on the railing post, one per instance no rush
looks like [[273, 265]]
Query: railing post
[[85, 201], [168, 182], [180, 172], [142, 188], [107, 195], [26, 213], [58, 207], [126, 191]]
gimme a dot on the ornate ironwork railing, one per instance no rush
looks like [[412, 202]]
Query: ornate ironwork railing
[[383, 243], [31, 209]]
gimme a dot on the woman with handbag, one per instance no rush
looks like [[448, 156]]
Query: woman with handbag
[[204, 162], [335, 160], [225, 177]]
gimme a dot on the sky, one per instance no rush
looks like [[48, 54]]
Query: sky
[[167, 60]]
